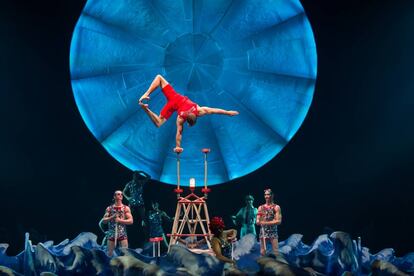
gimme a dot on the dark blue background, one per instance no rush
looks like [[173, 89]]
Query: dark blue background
[[348, 168]]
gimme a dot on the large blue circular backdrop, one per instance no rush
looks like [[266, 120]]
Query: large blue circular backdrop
[[257, 57]]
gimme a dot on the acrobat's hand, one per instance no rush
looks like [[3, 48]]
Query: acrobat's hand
[[233, 113], [178, 150]]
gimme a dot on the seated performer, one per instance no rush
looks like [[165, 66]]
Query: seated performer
[[117, 216], [221, 241], [246, 217], [269, 216], [187, 110]]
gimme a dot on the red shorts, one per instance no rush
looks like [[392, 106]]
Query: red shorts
[[177, 102], [121, 238]]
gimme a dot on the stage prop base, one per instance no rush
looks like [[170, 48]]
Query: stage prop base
[[332, 254]]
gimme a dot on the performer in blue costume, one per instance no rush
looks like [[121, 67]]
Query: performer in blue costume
[[155, 219], [134, 191], [269, 216], [105, 231], [246, 218]]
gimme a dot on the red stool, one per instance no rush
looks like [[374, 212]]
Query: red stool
[[156, 240]]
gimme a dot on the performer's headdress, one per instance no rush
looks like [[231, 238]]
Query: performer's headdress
[[216, 224], [249, 197]]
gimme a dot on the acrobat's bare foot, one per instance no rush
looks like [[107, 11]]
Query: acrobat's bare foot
[[233, 113], [144, 106], [144, 98]]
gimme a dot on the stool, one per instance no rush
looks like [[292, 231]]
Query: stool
[[156, 240]]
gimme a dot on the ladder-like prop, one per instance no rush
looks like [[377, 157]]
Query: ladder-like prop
[[191, 216]]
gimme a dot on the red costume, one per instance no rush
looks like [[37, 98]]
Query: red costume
[[176, 102]]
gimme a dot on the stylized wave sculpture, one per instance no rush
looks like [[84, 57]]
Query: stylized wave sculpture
[[328, 255]]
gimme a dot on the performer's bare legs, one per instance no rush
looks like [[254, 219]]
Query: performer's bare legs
[[188, 111], [117, 216], [111, 246], [268, 217]]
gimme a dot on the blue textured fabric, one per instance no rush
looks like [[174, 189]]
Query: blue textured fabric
[[328, 254], [257, 57]]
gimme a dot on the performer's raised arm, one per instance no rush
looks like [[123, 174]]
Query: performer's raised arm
[[125, 192], [179, 135], [158, 81], [205, 110]]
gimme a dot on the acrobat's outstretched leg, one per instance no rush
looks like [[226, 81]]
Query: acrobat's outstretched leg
[[158, 81]]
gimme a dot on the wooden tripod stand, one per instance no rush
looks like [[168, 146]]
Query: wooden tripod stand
[[191, 216]]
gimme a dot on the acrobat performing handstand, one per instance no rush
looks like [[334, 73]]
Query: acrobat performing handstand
[[187, 110]]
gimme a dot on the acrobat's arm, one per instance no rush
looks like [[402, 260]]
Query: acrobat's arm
[[158, 81], [205, 110], [179, 135]]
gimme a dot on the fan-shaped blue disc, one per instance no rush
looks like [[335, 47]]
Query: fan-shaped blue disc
[[257, 57]]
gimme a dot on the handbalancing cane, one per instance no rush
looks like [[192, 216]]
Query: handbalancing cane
[[116, 234], [262, 232], [178, 171], [232, 250], [178, 191], [205, 190]]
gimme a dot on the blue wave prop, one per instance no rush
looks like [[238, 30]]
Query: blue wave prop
[[328, 255], [257, 57]]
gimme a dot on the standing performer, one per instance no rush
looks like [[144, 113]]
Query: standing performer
[[269, 216], [117, 216], [187, 110], [133, 192], [155, 217], [246, 217]]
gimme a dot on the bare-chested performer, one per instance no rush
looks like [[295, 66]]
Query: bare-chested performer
[[187, 110]]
